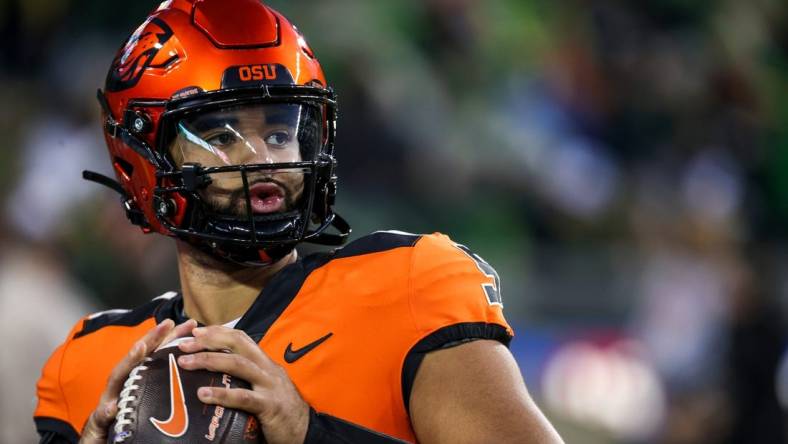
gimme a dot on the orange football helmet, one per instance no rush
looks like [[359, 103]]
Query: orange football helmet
[[212, 98]]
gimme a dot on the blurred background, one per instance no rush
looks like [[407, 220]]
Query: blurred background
[[623, 165]]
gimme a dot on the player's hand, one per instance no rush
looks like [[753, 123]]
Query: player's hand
[[273, 399], [97, 427]]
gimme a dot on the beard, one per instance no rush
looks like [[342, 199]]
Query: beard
[[235, 204]]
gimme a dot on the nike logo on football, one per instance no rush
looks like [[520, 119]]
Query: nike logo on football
[[178, 422], [292, 356]]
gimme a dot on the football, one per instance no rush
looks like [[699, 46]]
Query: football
[[159, 404]]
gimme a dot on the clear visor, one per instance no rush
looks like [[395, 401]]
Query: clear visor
[[248, 134]]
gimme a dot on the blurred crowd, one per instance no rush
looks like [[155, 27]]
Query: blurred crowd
[[623, 165]]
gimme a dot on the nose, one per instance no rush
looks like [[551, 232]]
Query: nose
[[256, 151]]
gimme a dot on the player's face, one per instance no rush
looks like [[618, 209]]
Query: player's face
[[248, 135]]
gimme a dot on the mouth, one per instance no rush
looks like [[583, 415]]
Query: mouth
[[266, 197]]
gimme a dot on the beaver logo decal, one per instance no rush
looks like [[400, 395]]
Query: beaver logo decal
[[147, 48]]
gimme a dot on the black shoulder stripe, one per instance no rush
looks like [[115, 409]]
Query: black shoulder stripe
[[278, 294], [55, 431], [377, 242], [446, 337], [160, 307]]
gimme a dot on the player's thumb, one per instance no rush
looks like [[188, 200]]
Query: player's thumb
[[96, 429]]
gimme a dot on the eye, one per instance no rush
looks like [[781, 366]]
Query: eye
[[221, 140], [278, 139]]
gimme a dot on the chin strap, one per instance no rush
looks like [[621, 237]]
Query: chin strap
[[246, 256], [332, 239], [101, 179], [132, 212]]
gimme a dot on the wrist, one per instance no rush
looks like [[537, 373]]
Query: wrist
[[327, 429]]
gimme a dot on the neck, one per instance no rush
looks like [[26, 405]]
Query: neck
[[215, 291]]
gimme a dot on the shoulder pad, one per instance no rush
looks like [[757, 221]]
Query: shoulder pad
[[126, 317]]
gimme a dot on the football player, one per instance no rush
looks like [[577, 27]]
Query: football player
[[220, 128]]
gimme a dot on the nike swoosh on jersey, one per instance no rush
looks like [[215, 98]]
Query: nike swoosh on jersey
[[178, 422], [292, 356]]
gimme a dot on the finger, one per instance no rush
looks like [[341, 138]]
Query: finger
[[154, 337], [235, 398], [180, 330], [140, 349], [224, 338], [95, 430], [106, 414], [230, 363]]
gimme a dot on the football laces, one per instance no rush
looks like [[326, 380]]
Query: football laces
[[127, 401]]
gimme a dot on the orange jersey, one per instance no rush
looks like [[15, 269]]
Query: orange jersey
[[350, 327]]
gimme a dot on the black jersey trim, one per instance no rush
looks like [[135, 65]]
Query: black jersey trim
[[278, 294], [327, 429], [55, 431], [446, 337], [160, 308], [171, 308], [377, 242]]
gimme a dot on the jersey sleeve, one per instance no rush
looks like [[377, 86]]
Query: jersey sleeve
[[454, 294], [52, 415], [454, 297]]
